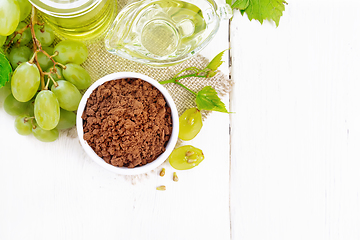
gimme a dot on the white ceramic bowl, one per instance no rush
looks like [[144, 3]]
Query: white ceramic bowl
[[124, 170]]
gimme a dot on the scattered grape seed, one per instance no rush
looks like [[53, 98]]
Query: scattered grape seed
[[175, 177], [161, 188], [162, 173]]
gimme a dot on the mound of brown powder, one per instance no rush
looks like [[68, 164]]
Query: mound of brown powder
[[127, 122]]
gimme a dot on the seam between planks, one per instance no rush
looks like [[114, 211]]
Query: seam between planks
[[230, 123]]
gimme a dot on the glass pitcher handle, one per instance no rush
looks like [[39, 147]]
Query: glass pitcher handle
[[224, 11]]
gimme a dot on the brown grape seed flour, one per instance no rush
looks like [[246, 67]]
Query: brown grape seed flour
[[127, 122]]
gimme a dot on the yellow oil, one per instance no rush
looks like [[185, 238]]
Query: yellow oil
[[170, 27], [87, 24], [162, 29]]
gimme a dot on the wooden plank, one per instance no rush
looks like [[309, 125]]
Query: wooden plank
[[296, 132], [53, 190]]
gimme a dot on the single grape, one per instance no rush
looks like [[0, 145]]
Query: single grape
[[45, 135], [67, 119], [190, 124], [68, 95], [5, 91], [24, 38], [186, 157], [25, 81], [77, 75], [25, 8], [45, 35], [2, 40], [30, 108], [71, 52], [19, 55], [13, 107], [47, 110], [9, 16], [23, 125], [44, 60]]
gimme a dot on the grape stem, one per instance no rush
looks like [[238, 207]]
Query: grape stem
[[36, 44], [50, 57], [53, 70], [55, 54], [38, 48], [28, 118], [33, 57], [50, 78], [20, 32], [176, 78], [61, 65], [47, 84]]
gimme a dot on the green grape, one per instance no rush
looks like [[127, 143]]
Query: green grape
[[23, 125], [5, 91], [13, 107], [67, 119], [190, 124], [186, 157], [47, 110], [45, 135], [19, 55], [30, 108], [25, 8], [9, 16], [71, 52], [68, 95], [25, 81], [45, 35], [25, 38], [2, 40], [77, 75], [44, 60]]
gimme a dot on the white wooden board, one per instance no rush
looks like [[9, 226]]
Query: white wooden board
[[54, 191], [296, 132]]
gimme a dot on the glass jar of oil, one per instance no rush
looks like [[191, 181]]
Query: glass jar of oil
[[84, 20]]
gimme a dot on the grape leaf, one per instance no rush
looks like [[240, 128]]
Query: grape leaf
[[263, 10], [215, 64], [207, 99], [5, 70], [216, 61], [238, 4]]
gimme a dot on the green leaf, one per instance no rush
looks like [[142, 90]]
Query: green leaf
[[216, 62], [240, 4], [262, 10], [5, 70], [207, 99]]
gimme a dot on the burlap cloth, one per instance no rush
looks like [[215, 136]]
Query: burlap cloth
[[100, 63]]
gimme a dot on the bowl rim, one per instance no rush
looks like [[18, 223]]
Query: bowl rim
[[124, 170]]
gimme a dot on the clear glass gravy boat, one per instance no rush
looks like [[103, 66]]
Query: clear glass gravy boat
[[164, 32]]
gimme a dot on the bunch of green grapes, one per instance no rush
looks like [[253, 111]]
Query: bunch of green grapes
[[187, 157], [46, 80]]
